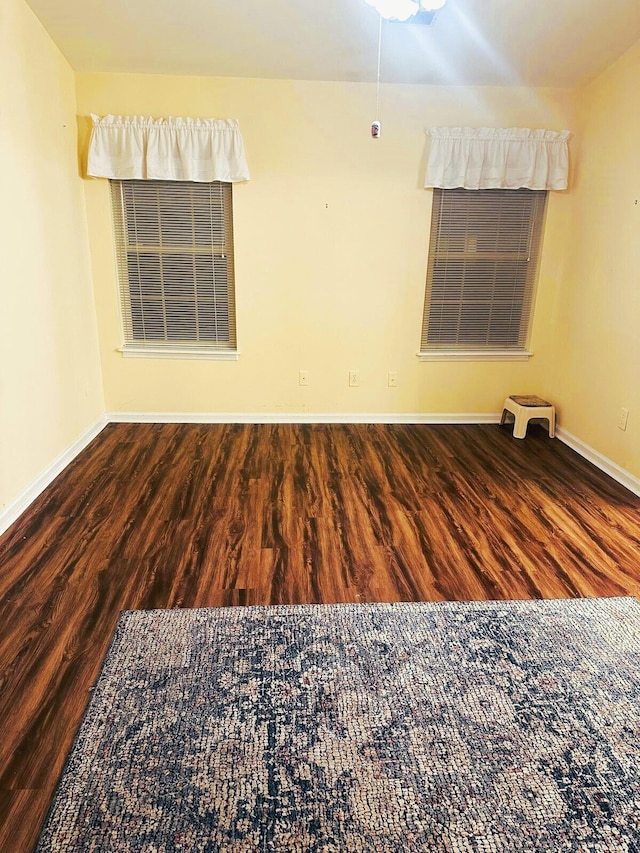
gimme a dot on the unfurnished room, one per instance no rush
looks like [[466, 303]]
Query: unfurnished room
[[320, 426]]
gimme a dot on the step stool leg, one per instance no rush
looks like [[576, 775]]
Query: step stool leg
[[520, 424], [552, 423]]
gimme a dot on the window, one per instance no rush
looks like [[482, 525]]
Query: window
[[174, 245], [481, 275]]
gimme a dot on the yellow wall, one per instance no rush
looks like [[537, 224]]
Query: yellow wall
[[331, 245], [50, 383], [598, 335]]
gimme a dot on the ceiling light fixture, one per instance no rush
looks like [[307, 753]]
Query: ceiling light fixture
[[403, 10]]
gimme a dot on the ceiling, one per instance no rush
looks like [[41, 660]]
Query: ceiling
[[471, 42]]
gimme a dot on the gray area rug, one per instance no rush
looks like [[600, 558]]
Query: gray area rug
[[489, 726]]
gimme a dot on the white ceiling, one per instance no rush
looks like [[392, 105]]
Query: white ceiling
[[483, 42]]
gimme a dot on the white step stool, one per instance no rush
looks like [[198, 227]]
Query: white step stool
[[526, 407]]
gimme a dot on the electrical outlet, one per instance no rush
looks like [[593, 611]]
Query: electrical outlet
[[392, 379], [623, 417], [354, 378], [303, 377]]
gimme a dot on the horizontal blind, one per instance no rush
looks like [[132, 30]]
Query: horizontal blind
[[174, 245], [483, 259]]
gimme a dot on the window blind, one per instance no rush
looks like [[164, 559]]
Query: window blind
[[483, 259], [174, 246]]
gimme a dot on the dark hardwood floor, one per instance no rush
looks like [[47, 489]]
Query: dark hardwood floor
[[215, 515]]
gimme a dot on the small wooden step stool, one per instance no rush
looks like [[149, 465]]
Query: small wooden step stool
[[526, 407]]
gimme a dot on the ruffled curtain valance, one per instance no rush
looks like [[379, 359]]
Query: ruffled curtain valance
[[167, 149], [497, 158]]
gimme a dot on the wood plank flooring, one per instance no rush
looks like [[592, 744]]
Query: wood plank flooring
[[215, 515]]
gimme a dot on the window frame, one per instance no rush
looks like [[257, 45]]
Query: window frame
[[438, 251], [133, 347]]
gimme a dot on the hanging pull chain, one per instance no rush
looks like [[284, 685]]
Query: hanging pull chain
[[375, 126]]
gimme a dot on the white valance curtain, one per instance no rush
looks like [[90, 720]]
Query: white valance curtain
[[497, 158], [167, 149]]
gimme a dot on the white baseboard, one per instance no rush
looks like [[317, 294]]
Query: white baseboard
[[17, 506], [300, 418], [621, 475]]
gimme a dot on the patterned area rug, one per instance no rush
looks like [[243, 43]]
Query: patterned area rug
[[500, 726]]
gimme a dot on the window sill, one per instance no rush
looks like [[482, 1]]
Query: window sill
[[475, 355], [179, 353]]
